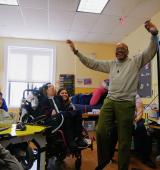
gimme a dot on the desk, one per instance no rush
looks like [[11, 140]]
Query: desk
[[154, 126], [33, 133], [87, 117], [151, 125]]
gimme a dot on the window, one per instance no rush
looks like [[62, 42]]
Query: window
[[28, 67]]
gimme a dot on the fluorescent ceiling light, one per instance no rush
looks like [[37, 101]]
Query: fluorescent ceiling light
[[8, 2], [92, 6]]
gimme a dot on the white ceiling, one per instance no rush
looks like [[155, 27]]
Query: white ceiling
[[58, 20]]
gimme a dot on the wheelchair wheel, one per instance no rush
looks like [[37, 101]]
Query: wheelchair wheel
[[28, 160], [78, 163]]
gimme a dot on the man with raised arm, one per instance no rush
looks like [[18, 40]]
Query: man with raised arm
[[119, 104]]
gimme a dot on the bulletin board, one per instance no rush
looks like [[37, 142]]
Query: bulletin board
[[145, 81], [67, 81]]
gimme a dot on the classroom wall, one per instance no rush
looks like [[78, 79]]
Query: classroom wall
[[66, 62], [137, 41]]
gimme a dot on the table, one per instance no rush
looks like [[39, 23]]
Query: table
[[32, 133], [88, 117]]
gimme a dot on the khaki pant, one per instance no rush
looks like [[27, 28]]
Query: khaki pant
[[121, 112]]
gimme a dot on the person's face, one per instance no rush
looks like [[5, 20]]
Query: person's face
[[64, 95], [121, 51], [50, 90]]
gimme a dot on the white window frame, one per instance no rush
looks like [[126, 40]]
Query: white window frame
[[5, 75]]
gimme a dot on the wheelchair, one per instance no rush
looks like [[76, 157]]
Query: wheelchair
[[56, 143]]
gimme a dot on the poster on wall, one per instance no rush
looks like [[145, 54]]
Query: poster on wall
[[80, 81], [84, 81], [144, 89], [87, 81]]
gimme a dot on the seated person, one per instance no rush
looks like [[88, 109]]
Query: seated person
[[66, 99], [142, 141], [76, 116], [99, 94], [48, 108], [7, 161], [3, 103]]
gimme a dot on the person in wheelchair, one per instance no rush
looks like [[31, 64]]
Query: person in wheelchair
[[76, 117], [72, 129]]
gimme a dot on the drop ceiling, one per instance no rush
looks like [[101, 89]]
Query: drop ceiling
[[58, 20]]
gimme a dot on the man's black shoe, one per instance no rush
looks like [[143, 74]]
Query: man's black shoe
[[149, 163]]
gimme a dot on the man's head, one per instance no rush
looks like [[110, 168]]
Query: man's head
[[121, 51]]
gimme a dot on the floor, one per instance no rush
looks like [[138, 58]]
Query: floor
[[89, 162]]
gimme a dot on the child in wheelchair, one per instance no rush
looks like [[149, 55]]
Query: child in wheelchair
[[72, 125], [66, 135], [76, 117]]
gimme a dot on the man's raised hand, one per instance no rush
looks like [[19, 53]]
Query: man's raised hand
[[150, 27], [71, 44]]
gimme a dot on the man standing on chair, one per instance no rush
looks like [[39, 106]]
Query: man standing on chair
[[119, 104]]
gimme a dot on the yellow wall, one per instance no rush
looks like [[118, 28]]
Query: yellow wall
[[102, 51], [84, 90], [137, 41], [66, 62]]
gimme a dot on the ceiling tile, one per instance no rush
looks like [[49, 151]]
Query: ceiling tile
[[59, 34], [60, 19], [96, 37], [105, 24], [150, 8], [84, 21], [10, 16], [64, 5], [105, 38], [120, 7], [39, 4], [113, 38], [35, 18], [77, 36], [130, 24]]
